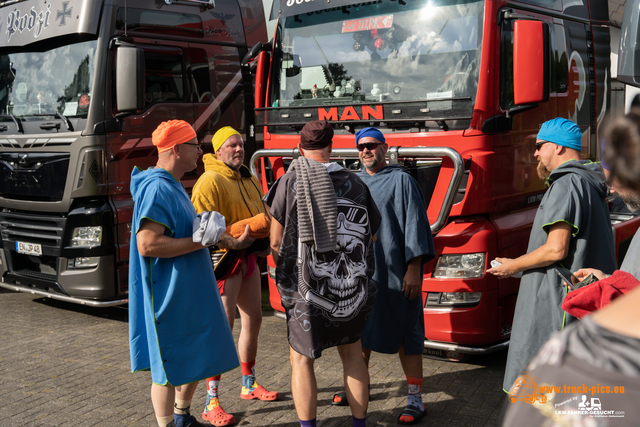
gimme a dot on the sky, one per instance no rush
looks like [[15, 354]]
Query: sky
[[267, 10]]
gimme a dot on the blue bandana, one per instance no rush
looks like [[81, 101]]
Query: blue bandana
[[562, 132], [372, 132]]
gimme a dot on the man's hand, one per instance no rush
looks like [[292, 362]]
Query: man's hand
[[555, 249], [584, 272], [412, 282], [227, 241], [505, 269]]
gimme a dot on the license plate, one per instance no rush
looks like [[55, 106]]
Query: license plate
[[29, 248]]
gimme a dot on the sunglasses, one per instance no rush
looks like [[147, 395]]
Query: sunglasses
[[195, 145], [540, 144], [368, 145]]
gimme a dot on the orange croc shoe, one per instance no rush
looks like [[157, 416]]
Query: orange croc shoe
[[218, 416], [259, 392]]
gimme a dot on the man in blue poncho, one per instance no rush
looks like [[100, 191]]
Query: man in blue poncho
[[177, 326], [404, 245], [571, 229]]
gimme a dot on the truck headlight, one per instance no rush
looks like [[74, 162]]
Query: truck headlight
[[456, 266], [452, 299], [86, 262], [86, 237], [460, 298]]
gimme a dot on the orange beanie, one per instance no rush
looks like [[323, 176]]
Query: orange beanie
[[170, 133]]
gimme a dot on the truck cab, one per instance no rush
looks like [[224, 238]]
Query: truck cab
[[460, 92], [83, 85]]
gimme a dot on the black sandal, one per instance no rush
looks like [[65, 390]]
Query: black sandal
[[341, 399], [414, 412]]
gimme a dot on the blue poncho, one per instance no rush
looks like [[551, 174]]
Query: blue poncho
[[178, 328], [404, 234]]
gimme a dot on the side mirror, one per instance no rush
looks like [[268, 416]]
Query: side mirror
[[130, 79], [629, 54], [260, 87], [530, 62], [257, 48]]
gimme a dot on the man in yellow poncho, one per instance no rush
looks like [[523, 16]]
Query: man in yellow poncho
[[228, 187]]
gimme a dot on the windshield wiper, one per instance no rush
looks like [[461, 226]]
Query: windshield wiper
[[58, 115], [16, 121], [65, 120]]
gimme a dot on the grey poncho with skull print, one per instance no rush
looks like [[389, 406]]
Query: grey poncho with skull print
[[327, 296]]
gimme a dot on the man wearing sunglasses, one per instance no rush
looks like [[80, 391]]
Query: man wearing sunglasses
[[177, 326], [571, 229], [404, 245]]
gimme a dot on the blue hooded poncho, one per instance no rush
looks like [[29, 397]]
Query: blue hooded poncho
[[178, 328]]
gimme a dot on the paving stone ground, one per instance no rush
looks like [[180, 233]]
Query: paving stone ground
[[65, 365]]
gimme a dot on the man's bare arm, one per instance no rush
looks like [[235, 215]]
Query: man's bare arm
[[277, 231], [555, 249], [152, 242], [227, 241]]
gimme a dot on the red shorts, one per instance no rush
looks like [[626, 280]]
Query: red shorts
[[251, 261]]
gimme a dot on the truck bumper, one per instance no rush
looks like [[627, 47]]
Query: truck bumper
[[91, 286], [60, 297], [459, 348]]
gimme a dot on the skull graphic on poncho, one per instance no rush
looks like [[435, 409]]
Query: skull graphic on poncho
[[336, 281]]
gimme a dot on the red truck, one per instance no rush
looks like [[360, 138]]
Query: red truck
[[83, 84], [459, 90]]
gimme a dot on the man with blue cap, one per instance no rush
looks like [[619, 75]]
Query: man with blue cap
[[404, 245], [571, 229]]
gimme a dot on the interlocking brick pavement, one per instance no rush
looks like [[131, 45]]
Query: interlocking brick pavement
[[68, 365]]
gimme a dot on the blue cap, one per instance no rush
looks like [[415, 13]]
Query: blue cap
[[562, 132], [372, 132]]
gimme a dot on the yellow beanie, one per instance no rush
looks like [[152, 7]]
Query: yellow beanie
[[221, 136]]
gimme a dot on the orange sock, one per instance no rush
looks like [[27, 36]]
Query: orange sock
[[414, 398]]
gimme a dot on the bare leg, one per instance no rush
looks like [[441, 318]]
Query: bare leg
[[356, 378], [303, 385], [162, 398], [232, 287], [411, 364], [366, 355], [249, 301], [186, 392]]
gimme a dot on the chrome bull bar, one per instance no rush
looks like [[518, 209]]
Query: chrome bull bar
[[65, 298], [393, 154]]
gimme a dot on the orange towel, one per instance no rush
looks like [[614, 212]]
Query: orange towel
[[259, 227]]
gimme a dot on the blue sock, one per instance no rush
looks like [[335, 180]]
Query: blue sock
[[182, 420], [359, 422], [310, 423]]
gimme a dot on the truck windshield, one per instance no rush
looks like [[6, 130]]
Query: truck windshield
[[56, 81], [382, 52]]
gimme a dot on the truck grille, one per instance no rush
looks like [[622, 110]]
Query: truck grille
[[45, 230], [37, 275], [505, 330], [33, 176]]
